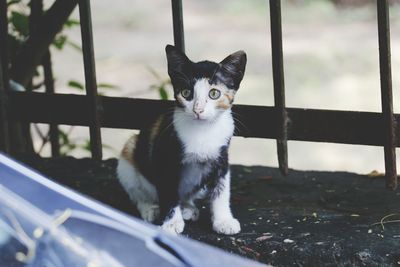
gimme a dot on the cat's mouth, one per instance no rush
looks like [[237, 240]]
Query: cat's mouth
[[197, 117]]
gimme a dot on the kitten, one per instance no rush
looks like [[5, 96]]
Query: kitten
[[183, 156]]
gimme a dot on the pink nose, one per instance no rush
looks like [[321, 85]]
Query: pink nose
[[198, 112]]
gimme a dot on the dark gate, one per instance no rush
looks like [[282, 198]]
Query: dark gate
[[279, 122]]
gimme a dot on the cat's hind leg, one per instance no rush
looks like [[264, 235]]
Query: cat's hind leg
[[142, 193]]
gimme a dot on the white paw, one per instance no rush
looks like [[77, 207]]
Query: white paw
[[190, 213], [174, 226], [226, 226], [148, 212]]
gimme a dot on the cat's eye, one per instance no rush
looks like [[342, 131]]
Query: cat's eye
[[185, 93], [214, 94]]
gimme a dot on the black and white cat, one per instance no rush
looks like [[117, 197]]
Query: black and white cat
[[183, 156]]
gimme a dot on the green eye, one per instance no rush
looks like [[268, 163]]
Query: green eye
[[185, 93], [214, 94]]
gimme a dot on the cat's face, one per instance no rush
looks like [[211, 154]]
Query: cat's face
[[205, 89]]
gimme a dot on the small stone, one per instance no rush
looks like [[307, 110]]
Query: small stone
[[369, 231], [288, 241], [263, 238]]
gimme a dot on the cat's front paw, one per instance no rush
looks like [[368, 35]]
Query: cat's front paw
[[226, 226], [190, 213], [173, 226]]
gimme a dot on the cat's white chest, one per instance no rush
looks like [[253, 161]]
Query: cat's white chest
[[203, 141]]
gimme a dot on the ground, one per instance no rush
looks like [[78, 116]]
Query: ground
[[305, 219]]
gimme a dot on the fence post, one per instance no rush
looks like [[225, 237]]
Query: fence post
[[389, 122], [177, 21], [90, 78], [279, 84]]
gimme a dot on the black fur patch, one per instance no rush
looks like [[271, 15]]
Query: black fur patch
[[164, 167], [184, 73]]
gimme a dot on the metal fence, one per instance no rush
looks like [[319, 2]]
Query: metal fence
[[277, 122]]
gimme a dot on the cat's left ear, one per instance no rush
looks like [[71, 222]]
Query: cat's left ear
[[232, 69]]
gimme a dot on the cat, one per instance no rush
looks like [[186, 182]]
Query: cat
[[183, 155]]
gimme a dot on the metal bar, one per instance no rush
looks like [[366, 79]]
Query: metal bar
[[279, 83], [386, 94], [4, 130], [346, 127], [90, 78], [177, 20], [49, 85], [36, 15]]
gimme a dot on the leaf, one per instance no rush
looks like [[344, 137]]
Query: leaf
[[163, 93], [86, 146], [60, 41], [76, 84], [107, 86], [71, 23], [20, 23]]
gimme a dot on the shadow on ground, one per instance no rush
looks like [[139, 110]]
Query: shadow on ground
[[305, 219]]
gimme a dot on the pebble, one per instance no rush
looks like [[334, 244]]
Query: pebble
[[288, 241]]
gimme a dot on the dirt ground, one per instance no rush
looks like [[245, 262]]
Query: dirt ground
[[306, 219]]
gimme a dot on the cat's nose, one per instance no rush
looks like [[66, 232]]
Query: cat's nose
[[198, 111]]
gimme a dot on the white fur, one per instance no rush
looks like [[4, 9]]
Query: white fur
[[140, 191], [221, 216], [202, 140], [175, 224]]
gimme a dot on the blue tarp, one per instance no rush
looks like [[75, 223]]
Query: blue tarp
[[45, 224]]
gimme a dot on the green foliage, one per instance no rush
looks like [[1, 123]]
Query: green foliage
[[76, 85], [161, 85], [60, 41], [18, 24]]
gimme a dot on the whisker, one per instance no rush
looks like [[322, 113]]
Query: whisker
[[236, 119]]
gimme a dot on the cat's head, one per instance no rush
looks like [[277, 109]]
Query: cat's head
[[205, 89]]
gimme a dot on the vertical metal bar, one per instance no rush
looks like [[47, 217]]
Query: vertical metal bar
[[49, 85], [90, 77], [4, 134], [36, 14], [279, 83], [386, 93], [177, 20]]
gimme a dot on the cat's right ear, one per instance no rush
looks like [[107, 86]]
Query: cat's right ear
[[177, 60]]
